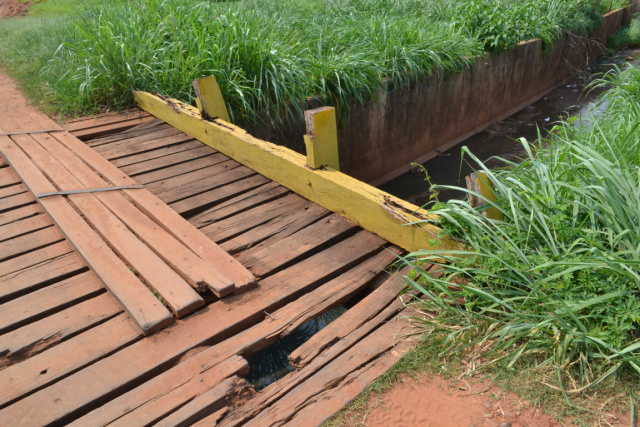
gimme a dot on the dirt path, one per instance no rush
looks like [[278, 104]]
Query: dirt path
[[11, 8]]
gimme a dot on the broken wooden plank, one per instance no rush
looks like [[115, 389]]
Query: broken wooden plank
[[51, 365], [24, 226], [37, 276], [160, 402], [156, 129], [161, 157], [43, 302], [39, 336], [30, 242], [148, 312], [63, 401], [181, 168], [106, 129], [20, 213], [212, 420], [104, 119], [117, 150], [163, 215], [179, 296], [265, 258], [280, 322]]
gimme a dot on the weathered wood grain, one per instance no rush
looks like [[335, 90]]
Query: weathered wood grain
[[24, 226], [30, 242], [20, 213]]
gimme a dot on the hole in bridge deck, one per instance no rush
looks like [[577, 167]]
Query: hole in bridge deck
[[271, 363]]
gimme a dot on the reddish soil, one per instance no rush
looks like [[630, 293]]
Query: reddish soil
[[436, 402], [11, 8]]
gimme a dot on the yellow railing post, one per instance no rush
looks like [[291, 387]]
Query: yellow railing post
[[321, 139], [209, 99]]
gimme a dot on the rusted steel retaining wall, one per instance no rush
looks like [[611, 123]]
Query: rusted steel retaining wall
[[404, 125]]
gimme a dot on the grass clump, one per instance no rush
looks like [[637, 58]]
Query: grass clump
[[627, 37], [555, 284], [271, 56]]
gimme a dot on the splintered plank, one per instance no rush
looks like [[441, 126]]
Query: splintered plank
[[35, 257], [24, 226], [214, 196], [157, 163], [211, 420], [281, 322], [155, 159], [237, 224], [361, 319], [144, 308], [107, 129], [265, 258], [327, 385], [40, 275], [158, 275], [20, 213], [55, 297], [37, 337], [181, 168], [297, 218], [263, 194], [163, 215], [63, 401], [29, 242], [51, 365], [148, 130], [125, 148], [15, 201]]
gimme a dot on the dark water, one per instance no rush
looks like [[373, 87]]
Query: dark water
[[500, 139], [271, 363]]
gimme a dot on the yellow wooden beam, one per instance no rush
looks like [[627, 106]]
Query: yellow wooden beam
[[210, 101], [488, 191], [372, 209], [321, 139]]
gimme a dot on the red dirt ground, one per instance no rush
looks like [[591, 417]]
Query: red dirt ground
[[11, 8]]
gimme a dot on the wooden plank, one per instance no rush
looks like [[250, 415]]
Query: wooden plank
[[326, 383], [213, 400], [43, 302], [63, 401], [211, 420], [16, 201], [12, 190], [20, 213], [40, 275], [321, 139], [158, 162], [367, 206], [360, 320], [51, 365], [237, 224], [35, 257], [135, 132], [281, 322], [267, 258], [9, 177], [159, 276], [212, 103], [217, 195], [39, 336], [263, 194], [24, 226], [156, 155], [163, 215], [104, 119], [129, 147], [181, 168], [150, 405], [29, 242], [148, 312], [107, 129], [299, 218]]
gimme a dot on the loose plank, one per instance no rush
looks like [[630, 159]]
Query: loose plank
[[20, 213], [156, 163], [37, 337], [55, 297], [280, 322], [127, 147], [40, 275], [12, 190], [158, 275], [181, 168], [30, 242], [16, 201], [65, 399], [163, 215], [107, 129], [138, 131], [148, 312], [43, 369], [35, 257], [149, 160], [24, 226], [9, 177], [105, 119]]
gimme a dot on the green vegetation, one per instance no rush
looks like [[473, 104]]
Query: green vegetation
[[627, 37], [270, 56], [555, 285]]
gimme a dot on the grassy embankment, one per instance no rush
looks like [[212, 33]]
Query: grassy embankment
[[269, 56]]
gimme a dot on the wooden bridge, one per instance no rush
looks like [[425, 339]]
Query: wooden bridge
[[117, 310]]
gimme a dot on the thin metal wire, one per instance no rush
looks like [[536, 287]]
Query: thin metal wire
[[33, 131], [89, 190]]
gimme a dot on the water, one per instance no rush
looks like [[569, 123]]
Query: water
[[271, 363]]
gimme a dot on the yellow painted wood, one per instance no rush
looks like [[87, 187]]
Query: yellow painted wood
[[374, 210], [488, 191], [210, 101], [322, 138]]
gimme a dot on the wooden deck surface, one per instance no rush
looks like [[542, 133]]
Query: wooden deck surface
[[70, 354]]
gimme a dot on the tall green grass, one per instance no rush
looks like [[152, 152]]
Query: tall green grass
[[270, 56], [556, 282]]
